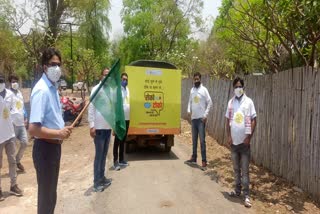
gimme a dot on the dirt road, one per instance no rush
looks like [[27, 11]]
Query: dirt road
[[155, 182]]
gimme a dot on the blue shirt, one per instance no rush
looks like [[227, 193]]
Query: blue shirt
[[45, 105]]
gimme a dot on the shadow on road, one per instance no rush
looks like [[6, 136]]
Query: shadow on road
[[150, 153], [238, 200]]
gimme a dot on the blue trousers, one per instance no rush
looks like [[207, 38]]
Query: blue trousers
[[198, 129], [101, 142]]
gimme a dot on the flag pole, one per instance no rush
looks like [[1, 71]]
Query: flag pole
[[80, 115]]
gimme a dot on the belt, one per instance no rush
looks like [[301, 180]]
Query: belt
[[54, 141]]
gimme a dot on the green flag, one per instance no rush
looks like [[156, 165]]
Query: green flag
[[107, 99]]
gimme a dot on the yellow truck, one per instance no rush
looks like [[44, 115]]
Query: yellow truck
[[155, 104]]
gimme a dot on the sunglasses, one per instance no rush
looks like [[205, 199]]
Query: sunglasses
[[53, 64], [238, 86]]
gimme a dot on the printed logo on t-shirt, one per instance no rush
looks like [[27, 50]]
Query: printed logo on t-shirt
[[5, 113], [18, 105], [196, 99], [238, 118]]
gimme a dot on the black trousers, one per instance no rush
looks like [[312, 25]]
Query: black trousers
[[119, 143], [46, 160]]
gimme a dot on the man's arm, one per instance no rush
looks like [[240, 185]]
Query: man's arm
[[253, 115], [229, 139], [35, 129], [253, 126], [189, 103], [209, 103], [91, 118]]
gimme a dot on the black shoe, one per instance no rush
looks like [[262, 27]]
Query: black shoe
[[15, 190], [116, 166], [106, 182], [123, 163], [191, 161], [20, 167], [1, 196], [234, 194], [98, 188]]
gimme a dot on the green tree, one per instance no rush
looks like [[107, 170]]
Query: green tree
[[154, 28], [87, 67], [94, 27], [275, 31], [12, 56]]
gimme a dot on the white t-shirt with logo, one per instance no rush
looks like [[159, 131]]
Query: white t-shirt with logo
[[17, 113], [6, 126], [237, 111], [199, 102]]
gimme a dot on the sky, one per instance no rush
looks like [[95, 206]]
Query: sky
[[210, 11]]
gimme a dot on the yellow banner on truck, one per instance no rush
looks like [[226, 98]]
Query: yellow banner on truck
[[155, 100]]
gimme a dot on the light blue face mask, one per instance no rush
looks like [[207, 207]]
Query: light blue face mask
[[124, 83]]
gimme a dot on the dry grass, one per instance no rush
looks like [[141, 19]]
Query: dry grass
[[270, 193]]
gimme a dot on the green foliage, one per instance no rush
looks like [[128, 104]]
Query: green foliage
[[94, 25], [157, 29], [12, 56], [277, 34], [87, 67]]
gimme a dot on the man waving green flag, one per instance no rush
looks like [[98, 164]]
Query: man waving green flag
[[107, 99]]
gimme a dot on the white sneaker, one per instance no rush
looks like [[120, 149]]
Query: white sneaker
[[247, 202]]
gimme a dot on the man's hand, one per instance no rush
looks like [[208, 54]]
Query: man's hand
[[26, 122], [189, 114], [247, 140], [229, 142], [92, 132], [65, 132], [204, 120]]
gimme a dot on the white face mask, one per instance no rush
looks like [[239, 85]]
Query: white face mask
[[54, 73], [15, 85], [2, 86], [238, 92]]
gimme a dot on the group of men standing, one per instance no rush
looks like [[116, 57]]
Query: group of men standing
[[47, 127], [101, 131], [240, 125], [13, 121]]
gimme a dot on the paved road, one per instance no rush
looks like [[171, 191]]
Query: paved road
[[155, 182]]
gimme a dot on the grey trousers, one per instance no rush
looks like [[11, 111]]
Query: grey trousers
[[10, 148], [240, 155], [22, 136]]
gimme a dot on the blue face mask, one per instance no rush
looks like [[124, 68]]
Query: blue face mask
[[124, 83]]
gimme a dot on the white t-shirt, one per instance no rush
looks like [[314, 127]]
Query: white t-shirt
[[17, 113], [199, 102], [95, 119], [6, 126], [126, 102], [237, 110]]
